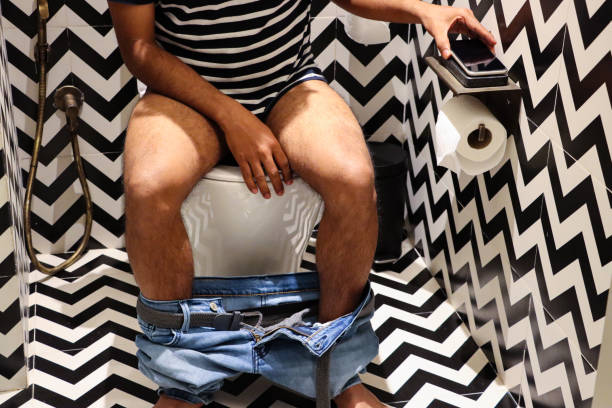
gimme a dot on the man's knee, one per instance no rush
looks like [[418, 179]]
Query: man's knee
[[147, 187], [168, 149], [352, 189]]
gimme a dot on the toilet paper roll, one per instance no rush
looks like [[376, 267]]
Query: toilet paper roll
[[468, 137], [366, 31]]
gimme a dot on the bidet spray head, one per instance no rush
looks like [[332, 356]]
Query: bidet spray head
[[42, 48], [43, 9]]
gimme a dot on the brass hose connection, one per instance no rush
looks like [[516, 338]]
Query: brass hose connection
[[69, 99]]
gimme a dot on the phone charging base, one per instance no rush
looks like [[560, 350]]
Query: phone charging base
[[473, 81]]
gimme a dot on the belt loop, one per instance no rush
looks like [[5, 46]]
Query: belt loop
[[186, 315]]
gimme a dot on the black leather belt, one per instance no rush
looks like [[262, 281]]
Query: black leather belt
[[224, 321]]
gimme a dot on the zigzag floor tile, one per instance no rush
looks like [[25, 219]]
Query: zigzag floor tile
[[83, 324]]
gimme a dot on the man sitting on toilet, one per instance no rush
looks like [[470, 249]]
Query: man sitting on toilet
[[237, 77]]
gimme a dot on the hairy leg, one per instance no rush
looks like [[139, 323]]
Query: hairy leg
[[168, 148], [325, 146]]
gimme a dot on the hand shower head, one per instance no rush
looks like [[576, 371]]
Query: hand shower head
[[43, 9], [42, 48]]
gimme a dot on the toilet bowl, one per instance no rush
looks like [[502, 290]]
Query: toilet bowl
[[234, 232]]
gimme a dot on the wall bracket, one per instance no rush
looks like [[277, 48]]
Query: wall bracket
[[503, 101]]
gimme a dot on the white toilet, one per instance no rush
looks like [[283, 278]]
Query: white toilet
[[234, 232]]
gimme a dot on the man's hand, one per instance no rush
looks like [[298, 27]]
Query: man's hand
[[438, 20], [441, 20], [256, 149]]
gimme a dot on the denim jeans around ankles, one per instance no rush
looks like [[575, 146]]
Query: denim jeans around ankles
[[191, 363]]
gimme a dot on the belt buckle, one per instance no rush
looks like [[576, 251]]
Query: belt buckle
[[227, 321]]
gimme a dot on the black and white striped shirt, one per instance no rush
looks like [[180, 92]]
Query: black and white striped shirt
[[251, 50]]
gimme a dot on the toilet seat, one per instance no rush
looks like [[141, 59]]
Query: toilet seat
[[233, 232], [223, 172]]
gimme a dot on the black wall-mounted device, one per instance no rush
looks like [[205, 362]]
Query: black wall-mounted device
[[504, 101], [474, 66]]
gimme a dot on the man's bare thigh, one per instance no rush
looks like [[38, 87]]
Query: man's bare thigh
[[169, 146], [320, 136]]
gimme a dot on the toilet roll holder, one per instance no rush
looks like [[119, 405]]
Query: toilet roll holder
[[480, 138], [504, 101]]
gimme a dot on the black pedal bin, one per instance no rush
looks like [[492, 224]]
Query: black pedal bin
[[390, 171]]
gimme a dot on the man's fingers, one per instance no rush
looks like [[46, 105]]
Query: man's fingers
[[272, 172], [260, 177], [479, 30], [283, 163], [459, 27], [443, 44], [247, 176]]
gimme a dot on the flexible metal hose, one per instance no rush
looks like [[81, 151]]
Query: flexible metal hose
[[41, 56]]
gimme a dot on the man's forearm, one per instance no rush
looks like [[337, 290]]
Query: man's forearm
[[395, 11], [168, 75]]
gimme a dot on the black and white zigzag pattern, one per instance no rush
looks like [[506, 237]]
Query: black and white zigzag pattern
[[523, 250], [373, 80], [12, 251], [83, 53], [12, 360], [82, 329], [540, 220]]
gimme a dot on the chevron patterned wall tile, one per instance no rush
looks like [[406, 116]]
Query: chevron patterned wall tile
[[11, 223], [374, 77], [495, 301], [7, 246], [106, 84], [557, 375], [16, 397], [93, 13], [23, 14], [24, 80], [63, 222], [13, 262], [323, 39], [110, 90], [478, 276], [323, 42], [82, 266], [507, 206], [12, 360], [530, 247], [582, 107], [530, 34], [575, 265], [110, 94], [325, 8]]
